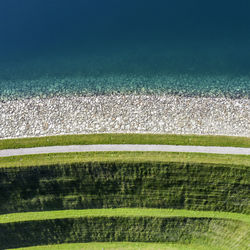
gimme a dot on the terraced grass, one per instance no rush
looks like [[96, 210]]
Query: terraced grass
[[68, 158], [120, 212], [133, 185], [139, 225], [170, 139], [113, 184]]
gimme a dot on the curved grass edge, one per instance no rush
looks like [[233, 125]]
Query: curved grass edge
[[163, 139], [119, 245], [124, 157], [120, 212]]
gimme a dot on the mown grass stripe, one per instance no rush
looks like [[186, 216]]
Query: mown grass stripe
[[125, 157], [119, 212], [120, 246], [164, 139]]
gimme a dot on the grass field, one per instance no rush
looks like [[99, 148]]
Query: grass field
[[120, 246], [67, 158], [202, 140]]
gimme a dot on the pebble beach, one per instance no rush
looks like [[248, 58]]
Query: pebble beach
[[122, 94], [124, 113], [124, 67]]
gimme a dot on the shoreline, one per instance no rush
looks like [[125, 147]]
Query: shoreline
[[157, 114], [183, 85]]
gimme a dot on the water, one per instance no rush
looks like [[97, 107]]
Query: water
[[64, 47]]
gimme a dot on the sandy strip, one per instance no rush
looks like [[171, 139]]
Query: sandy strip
[[124, 114], [124, 147]]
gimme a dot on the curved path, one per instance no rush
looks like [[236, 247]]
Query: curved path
[[124, 147]]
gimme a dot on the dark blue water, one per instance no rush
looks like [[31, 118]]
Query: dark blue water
[[58, 47]]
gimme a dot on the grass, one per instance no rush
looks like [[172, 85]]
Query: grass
[[222, 226], [164, 139], [66, 158], [186, 229], [91, 185], [119, 212], [119, 246]]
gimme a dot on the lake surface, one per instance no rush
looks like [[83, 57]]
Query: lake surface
[[87, 47]]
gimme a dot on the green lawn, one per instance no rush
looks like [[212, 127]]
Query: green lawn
[[65, 158], [120, 246], [203, 140], [120, 212]]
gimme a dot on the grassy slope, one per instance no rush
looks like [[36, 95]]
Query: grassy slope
[[86, 185], [63, 158], [195, 229], [204, 140], [120, 212]]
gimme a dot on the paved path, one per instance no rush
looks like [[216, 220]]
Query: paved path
[[124, 147]]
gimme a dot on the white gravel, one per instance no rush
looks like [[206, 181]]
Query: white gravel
[[124, 113]]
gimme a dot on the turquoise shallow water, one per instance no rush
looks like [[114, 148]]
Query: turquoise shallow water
[[217, 72], [87, 47]]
